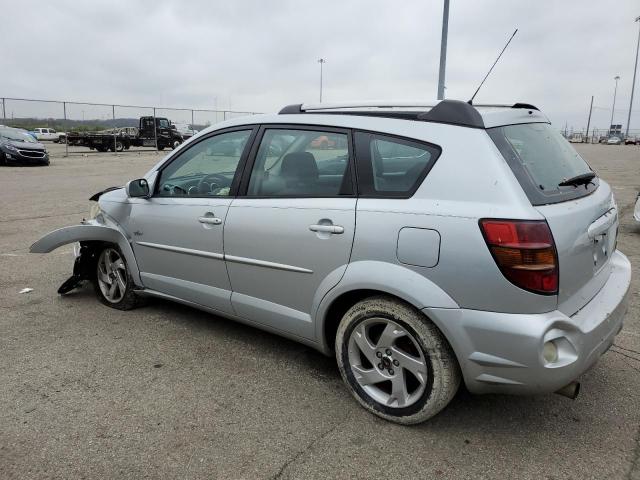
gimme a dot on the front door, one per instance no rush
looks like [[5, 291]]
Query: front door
[[288, 239], [178, 232]]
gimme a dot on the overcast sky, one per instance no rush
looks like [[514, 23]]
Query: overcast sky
[[258, 55]]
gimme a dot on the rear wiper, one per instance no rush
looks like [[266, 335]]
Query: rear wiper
[[582, 179]]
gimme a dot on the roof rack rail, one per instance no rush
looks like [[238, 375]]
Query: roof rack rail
[[454, 112]]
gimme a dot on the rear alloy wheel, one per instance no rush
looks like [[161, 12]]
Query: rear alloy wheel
[[119, 146], [395, 362], [113, 283]]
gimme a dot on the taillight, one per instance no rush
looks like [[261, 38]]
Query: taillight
[[525, 253]]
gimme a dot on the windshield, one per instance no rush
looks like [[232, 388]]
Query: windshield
[[541, 158], [16, 136]]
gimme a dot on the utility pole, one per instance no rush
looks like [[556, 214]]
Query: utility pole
[[615, 91], [633, 85], [443, 49], [589, 120], [321, 61]]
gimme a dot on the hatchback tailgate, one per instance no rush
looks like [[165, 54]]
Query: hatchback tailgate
[[584, 232]]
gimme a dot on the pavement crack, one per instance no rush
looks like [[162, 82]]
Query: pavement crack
[[626, 349], [305, 450], [625, 355]]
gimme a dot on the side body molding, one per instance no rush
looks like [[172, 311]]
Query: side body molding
[[86, 232], [394, 279]]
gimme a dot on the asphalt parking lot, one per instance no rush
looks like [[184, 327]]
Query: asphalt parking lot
[[166, 391]]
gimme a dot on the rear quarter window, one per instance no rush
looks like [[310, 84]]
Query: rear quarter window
[[541, 158], [390, 166]]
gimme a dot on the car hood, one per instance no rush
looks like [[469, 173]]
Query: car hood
[[26, 145], [96, 196]]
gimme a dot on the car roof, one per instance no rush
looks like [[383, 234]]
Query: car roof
[[453, 112], [450, 112]]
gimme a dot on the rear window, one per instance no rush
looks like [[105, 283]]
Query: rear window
[[541, 159]]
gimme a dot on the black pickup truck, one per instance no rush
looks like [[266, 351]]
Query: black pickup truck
[[120, 139]]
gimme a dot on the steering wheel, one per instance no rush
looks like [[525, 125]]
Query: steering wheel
[[222, 182], [174, 189]]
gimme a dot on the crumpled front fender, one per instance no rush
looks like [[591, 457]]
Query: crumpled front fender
[[89, 232]]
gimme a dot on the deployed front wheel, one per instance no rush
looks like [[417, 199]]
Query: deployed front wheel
[[395, 362], [113, 283]]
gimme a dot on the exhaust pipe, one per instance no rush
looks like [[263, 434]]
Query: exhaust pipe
[[570, 391]]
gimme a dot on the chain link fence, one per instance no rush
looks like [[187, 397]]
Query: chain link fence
[[83, 127]]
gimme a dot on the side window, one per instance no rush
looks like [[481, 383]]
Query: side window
[[205, 169], [301, 163], [391, 166]]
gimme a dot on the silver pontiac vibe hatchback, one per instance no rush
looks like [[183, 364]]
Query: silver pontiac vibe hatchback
[[422, 245]]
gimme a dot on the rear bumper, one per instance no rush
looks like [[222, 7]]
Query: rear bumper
[[502, 353]]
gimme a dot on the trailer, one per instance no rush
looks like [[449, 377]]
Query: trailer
[[120, 139]]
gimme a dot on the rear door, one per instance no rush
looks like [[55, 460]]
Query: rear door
[[288, 239], [583, 217]]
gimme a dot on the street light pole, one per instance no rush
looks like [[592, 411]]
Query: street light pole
[[589, 120], [443, 49], [321, 61], [633, 85], [615, 91]]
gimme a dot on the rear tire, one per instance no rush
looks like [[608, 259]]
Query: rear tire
[[394, 361], [3, 160], [112, 280]]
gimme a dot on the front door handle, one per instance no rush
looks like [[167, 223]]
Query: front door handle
[[210, 220], [327, 228]]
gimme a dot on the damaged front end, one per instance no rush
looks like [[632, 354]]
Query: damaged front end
[[84, 266], [90, 238]]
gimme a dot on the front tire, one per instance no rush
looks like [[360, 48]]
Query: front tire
[[394, 361], [113, 283]]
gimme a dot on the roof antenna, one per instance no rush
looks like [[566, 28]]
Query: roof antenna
[[470, 102]]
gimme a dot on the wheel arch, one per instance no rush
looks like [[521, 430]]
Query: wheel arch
[[369, 278], [90, 232]]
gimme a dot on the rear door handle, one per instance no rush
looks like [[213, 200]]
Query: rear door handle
[[327, 228], [210, 220]]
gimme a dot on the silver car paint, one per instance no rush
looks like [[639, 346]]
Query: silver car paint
[[179, 254], [277, 230], [496, 329], [500, 352], [581, 255]]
